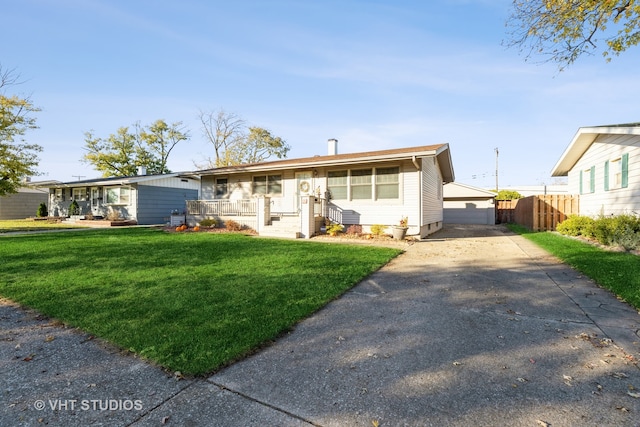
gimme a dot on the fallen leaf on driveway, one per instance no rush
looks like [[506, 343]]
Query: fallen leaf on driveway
[[543, 423], [635, 395]]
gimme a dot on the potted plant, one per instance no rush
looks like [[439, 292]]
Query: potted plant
[[400, 231]]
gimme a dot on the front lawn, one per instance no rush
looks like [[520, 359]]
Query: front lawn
[[191, 302], [616, 271], [7, 225]]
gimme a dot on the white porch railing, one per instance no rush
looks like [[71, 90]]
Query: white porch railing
[[222, 207]]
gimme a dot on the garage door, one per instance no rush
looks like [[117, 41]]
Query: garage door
[[469, 212]]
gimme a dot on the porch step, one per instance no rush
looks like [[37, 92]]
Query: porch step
[[286, 227]]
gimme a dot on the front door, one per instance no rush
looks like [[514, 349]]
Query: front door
[[304, 186]]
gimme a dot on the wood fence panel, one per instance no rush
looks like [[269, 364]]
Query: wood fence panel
[[538, 213]]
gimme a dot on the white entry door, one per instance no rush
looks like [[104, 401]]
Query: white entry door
[[304, 186]]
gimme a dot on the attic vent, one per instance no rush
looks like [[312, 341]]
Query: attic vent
[[184, 180]]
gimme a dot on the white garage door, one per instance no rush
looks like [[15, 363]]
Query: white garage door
[[468, 212]]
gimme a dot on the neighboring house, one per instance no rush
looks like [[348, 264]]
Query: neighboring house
[[603, 166], [464, 204], [23, 204], [377, 187], [146, 199]]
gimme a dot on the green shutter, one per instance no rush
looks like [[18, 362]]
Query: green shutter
[[606, 175], [581, 191], [593, 180], [625, 170]]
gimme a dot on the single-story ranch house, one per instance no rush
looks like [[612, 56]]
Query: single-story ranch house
[[146, 199], [295, 196], [603, 166]]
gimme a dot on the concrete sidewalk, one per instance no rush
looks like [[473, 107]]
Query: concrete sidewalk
[[473, 326]]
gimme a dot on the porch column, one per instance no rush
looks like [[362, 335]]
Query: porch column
[[263, 213], [307, 223]]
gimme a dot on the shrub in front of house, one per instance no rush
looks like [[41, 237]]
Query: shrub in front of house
[[378, 229], [42, 211], [74, 208], [209, 222], [576, 225], [232, 225], [354, 230], [620, 230]]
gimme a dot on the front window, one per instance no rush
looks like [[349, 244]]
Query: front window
[[118, 195], [59, 194], [78, 194], [338, 185], [222, 188], [267, 185], [387, 183], [361, 184], [615, 173]]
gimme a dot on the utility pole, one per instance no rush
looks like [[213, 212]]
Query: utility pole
[[496, 169]]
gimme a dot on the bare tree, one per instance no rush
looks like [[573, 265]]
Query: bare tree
[[222, 130]]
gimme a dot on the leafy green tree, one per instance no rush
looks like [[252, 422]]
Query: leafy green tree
[[256, 146], [234, 144], [508, 195], [123, 152], [563, 30], [18, 159]]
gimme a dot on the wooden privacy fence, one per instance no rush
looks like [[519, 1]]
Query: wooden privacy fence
[[538, 213]]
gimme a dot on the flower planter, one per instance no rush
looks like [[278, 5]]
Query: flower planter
[[399, 233]]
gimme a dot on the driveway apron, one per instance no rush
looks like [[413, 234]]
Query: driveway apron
[[472, 326]]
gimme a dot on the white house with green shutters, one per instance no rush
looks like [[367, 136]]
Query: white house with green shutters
[[603, 167], [294, 197]]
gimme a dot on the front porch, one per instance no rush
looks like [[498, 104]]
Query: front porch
[[258, 214]]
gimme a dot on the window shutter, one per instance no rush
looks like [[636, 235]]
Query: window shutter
[[581, 190], [625, 170], [606, 175], [593, 180]]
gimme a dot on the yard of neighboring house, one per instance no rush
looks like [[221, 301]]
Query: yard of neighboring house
[[11, 225], [190, 302]]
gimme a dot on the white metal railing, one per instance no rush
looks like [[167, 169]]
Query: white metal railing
[[222, 207]]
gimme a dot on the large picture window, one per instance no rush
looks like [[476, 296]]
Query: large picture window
[[118, 195], [364, 184], [267, 185]]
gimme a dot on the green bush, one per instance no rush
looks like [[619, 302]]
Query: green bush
[[378, 229], [74, 208], [576, 225], [508, 195], [620, 230], [209, 222], [42, 211]]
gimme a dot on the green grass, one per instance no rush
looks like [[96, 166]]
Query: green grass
[[31, 225], [616, 271], [191, 302]]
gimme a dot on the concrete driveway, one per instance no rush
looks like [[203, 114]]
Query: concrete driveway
[[473, 326]]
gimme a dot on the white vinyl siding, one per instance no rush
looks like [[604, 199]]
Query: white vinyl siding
[[612, 201]]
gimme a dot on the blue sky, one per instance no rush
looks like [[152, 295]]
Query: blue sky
[[373, 74]]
